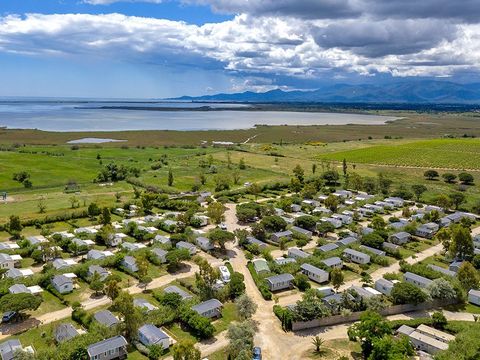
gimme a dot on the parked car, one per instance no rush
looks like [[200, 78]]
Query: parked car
[[7, 316], [224, 273], [257, 353], [223, 226]]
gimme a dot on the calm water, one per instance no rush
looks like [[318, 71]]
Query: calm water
[[87, 116]]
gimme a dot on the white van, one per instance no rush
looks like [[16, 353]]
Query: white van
[[224, 273]]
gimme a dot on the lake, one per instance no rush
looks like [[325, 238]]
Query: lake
[[89, 115]]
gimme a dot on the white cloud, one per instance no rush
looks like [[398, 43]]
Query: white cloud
[[248, 45]]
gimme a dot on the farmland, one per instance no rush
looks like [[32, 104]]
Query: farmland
[[456, 154]]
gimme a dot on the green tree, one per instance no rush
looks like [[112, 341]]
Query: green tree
[[441, 289], [132, 318], [371, 327], [344, 167], [462, 242], [299, 173], [96, 284], [93, 210], [220, 237], [314, 168], [155, 352], [457, 199], [112, 288], [406, 293], [324, 228], [301, 282], [14, 225], [439, 321], [449, 178], [236, 286], [356, 182], [384, 184], [175, 258], [331, 177], [466, 178], [240, 336], [317, 342], [245, 306], [444, 235], [206, 278], [331, 202], [106, 217], [19, 302], [467, 275], [431, 174], [241, 164], [216, 211], [336, 278], [185, 350], [42, 207], [170, 177], [418, 190]]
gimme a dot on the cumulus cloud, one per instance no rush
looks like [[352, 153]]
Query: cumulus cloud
[[248, 45]]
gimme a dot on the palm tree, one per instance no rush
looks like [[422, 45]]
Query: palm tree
[[317, 341]]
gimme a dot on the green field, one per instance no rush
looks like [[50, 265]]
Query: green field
[[438, 153]]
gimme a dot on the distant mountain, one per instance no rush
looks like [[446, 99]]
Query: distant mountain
[[413, 92]]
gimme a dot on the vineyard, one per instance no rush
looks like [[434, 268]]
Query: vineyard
[[439, 153]]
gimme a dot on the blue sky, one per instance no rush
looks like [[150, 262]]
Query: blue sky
[[154, 48]]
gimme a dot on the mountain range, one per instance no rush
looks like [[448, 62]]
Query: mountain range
[[415, 92]]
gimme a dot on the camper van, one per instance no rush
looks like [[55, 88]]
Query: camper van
[[224, 273]]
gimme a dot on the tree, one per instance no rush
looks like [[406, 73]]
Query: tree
[[106, 217], [314, 168], [142, 264], [240, 336], [93, 210], [336, 278], [206, 278], [306, 222], [236, 285], [418, 190], [96, 283], [356, 182], [170, 177], [295, 185], [19, 302], [42, 207], [74, 202], [132, 318], [301, 282], [299, 173], [220, 237], [443, 201], [14, 225], [331, 177], [467, 275], [155, 352], [457, 199], [441, 289], [465, 178], [254, 189], [370, 328], [236, 177], [274, 223], [344, 167], [462, 242], [390, 348], [241, 164], [216, 211], [317, 342], [378, 223], [221, 183], [449, 178], [185, 350], [324, 228], [431, 174], [331, 202], [175, 257], [406, 293], [112, 289], [245, 306], [384, 184], [439, 321]]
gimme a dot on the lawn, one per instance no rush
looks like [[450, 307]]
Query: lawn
[[229, 314], [334, 349], [49, 304], [179, 334]]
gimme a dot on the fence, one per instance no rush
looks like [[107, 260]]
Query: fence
[[392, 310]]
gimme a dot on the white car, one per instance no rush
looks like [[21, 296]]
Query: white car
[[224, 273], [223, 226]]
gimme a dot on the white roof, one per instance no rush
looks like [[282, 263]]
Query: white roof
[[70, 275], [35, 289], [26, 272], [15, 257]]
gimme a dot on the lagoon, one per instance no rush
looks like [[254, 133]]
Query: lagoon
[[88, 115]]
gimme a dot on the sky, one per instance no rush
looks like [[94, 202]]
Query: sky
[[167, 48]]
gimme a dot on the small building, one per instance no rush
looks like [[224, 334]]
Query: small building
[[356, 256], [374, 208], [192, 249], [396, 201], [280, 282], [60, 264], [261, 266], [160, 239], [4, 245], [474, 297], [149, 335], [455, 266], [333, 262], [322, 211], [98, 254], [108, 349], [160, 254], [22, 289], [384, 286], [96, 269], [210, 309], [144, 304], [384, 204], [175, 289], [298, 231], [372, 250], [336, 223], [398, 225], [106, 318], [82, 244], [6, 261], [420, 281], [427, 231], [442, 270], [36, 240], [64, 332], [314, 273], [309, 202], [344, 194], [347, 241], [400, 238], [363, 292], [426, 339], [276, 237], [346, 220], [261, 245], [390, 246], [132, 246], [8, 349], [327, 247], [62, 284], [116, 239], [295, 208], [296, 253], [130, 263], [284, 260], [18, 273], [204, 243]]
